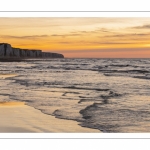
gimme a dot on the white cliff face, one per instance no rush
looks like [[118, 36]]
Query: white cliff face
[[31, 53], [16, 52], [7, 51], [2, 50], [34, 53], [38, 53], [28, 53], [43, 54], [23, 53]]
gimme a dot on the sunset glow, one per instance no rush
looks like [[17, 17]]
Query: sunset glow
[[80, 37]]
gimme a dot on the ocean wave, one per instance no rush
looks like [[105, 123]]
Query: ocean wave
[[106, 94]]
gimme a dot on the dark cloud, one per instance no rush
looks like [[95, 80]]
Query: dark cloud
[[98, 43], [80, 33], [142, 27], [24, 37], [109, 43], [99, 30], [84, 31], [96, 31], [103, 30], [65, 35], [94, 43], [128, 35]]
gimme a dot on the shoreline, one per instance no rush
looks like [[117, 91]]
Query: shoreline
[[17, 117], [25, 59]]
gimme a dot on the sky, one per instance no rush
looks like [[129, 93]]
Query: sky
[[80, 37]]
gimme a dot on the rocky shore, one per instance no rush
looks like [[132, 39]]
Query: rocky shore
[[7, 51]]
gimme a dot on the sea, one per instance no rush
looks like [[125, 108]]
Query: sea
[[111, 95]]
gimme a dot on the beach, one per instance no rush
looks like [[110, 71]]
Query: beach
[[75, 95], [16, 117]]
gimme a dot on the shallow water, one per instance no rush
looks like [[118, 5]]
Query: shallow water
[[112, 95]]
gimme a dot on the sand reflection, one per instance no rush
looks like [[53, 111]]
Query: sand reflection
[[17, 117], [11, 104], [7, 75]]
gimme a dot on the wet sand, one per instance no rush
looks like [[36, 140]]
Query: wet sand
[[17, 117]]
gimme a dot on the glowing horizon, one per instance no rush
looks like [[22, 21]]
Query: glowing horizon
[[80, 37]]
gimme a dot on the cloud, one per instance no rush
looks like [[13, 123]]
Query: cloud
[[93, 43], [65, 42], [103, 30], [83, 43], [99, 30], [65, 35], [24, 37], [86, 33], [109, 43], [128, 35], [142, 27], [113, 50]]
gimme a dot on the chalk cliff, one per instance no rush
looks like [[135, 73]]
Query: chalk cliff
[[6, 51]]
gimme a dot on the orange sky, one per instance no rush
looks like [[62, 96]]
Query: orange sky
[[80, 37]]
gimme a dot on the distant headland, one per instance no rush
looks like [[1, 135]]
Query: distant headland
[[8, 52]]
